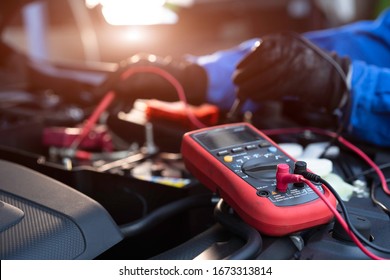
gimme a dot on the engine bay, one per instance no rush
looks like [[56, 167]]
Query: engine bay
[[132, 166], [80, 164]]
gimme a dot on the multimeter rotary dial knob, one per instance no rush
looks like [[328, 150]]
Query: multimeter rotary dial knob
[[260, 168]]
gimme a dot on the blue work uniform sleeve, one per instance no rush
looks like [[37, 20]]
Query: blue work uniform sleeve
[[367, 44], [220, 67], [370, 112]]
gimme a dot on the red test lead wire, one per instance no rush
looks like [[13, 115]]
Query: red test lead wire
[[283, 178], [110, 95], [89, 124], [172, 80], [343, 141], [342, 222]]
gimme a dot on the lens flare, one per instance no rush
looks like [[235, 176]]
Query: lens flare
[[135, 12]]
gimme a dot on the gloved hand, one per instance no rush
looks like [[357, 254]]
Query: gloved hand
[[284, 66], [146, 85]]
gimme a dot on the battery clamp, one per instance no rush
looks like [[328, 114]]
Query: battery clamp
[[240, 163]]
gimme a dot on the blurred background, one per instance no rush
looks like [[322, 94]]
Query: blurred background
[[134, 166], [111, 30]]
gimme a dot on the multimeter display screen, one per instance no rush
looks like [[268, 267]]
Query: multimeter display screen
[[221, 138]]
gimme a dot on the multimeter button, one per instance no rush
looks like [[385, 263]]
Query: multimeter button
[[251, 147], [223, 153], [264, 144], [228, 158], [272, 149], [237, 150]]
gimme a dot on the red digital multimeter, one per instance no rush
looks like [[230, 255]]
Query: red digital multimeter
[[239, 162]]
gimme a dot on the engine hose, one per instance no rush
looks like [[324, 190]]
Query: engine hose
[[163, 213], [254, 241]]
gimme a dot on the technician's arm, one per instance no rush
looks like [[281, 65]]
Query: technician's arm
[[367, 41], [220, 67], [368, 45], [370, 112]]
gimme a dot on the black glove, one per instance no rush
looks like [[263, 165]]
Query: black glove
[[145, 85], [285, 66]]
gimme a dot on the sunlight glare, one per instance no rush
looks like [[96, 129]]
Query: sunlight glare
[[137, 12]]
